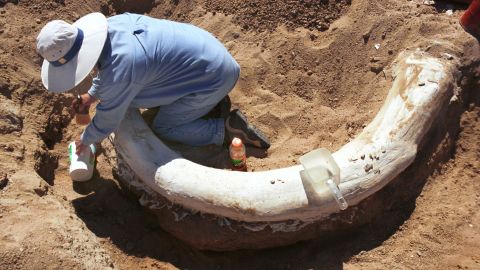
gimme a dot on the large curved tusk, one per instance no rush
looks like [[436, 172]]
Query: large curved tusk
[[388, 145]]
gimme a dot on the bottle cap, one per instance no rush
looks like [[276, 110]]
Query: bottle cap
[[236, 142]]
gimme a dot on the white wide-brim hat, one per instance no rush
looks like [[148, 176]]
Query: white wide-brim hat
[[67, 76]]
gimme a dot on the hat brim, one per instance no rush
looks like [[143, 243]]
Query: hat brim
[[65, 77]]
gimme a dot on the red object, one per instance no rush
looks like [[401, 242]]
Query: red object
[[470, 20]]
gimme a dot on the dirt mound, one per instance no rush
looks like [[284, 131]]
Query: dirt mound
[[267, 14]]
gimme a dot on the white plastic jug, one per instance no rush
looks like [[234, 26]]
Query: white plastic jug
[[81, 166], [323, 173]]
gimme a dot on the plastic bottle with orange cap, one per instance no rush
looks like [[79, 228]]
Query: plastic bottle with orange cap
[[238, 155]]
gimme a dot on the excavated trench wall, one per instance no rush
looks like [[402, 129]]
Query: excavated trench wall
[[33, 121]]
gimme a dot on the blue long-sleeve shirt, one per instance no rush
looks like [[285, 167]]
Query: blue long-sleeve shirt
[[149, 62]]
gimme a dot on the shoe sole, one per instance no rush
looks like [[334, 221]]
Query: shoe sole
[[263, 142]]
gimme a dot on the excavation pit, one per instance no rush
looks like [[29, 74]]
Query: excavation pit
[[307, 85]]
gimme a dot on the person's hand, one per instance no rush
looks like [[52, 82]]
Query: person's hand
[[81, 103], [79, 147]]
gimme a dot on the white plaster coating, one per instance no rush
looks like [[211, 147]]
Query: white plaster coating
[[393, 136]]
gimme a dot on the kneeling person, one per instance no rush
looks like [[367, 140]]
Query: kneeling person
[[144, 63]]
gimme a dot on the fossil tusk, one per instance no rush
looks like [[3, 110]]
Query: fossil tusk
[[383, 150]]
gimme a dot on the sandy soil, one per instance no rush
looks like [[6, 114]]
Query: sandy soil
[[311, 77]]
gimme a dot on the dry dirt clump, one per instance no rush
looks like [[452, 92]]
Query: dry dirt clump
[[268, 14]]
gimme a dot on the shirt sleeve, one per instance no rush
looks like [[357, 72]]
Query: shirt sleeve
[[93, 90], [114, 102]]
